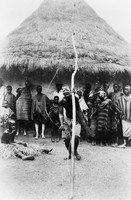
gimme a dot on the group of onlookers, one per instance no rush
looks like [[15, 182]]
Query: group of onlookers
[[25, 108], [108, 115]]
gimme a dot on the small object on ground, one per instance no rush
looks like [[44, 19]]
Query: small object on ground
[[28, 158], [46, 151]]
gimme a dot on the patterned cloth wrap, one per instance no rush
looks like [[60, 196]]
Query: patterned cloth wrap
[[23, 105], [67, 132], [93, 127]]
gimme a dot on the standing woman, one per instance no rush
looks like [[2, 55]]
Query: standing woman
[[40, 101], [103, 134], [124, 109], [55, 121], [23, 106]]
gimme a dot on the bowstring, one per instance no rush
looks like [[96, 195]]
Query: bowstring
[[61, 52]]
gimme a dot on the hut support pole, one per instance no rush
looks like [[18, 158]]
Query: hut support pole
[[74, 120]]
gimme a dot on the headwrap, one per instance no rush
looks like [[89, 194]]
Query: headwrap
[[102, 94], [66, 91], [127, 87]]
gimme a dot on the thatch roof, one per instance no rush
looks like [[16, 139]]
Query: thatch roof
[[44, 40]]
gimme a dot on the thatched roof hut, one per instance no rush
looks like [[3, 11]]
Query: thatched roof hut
[[43, 42]]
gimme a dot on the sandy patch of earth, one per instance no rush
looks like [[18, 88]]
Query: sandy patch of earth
[[103, 173]]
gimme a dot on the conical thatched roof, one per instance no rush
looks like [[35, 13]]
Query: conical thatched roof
[[44, 40]]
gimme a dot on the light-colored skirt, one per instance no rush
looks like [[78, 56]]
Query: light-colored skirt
[[126, 126], [67, 132]]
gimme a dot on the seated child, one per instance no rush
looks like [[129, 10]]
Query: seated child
[[5, 113]]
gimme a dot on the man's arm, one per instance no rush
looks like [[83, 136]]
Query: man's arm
[[61, 116]]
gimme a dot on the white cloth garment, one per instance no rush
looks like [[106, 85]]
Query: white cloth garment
[[126, 125], [83, 104], [2, 94], [58, 94]]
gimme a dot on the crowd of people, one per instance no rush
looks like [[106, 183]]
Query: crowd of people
[[107, 115]]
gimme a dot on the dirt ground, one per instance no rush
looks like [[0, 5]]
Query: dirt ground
[[103, 173]]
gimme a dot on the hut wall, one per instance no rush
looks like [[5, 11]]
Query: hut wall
[[48, 90], [20, 84]]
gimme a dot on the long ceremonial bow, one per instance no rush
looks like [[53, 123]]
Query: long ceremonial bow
[[74, 117]]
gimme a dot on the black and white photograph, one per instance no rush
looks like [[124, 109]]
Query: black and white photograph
[[65, 99]]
